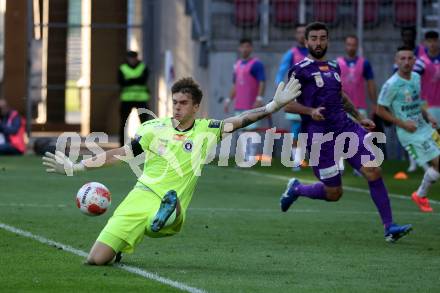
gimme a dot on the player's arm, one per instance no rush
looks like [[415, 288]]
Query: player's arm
[[371, 85], [372, 91], [283, 95], [386, 114], [229, 99], [297, 108], [284, 67], [259, 73], [351, 109], [372, 94], [60, 163]]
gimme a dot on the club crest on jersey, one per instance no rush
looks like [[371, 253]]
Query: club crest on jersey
[[187, 145], [318, 79], [337, 77]]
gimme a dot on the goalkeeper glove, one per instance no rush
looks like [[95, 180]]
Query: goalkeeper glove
[[284, 95], [59, 163]]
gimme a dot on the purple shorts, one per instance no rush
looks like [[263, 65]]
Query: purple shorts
[[325, 161]]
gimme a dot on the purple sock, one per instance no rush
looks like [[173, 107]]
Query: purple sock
[[379, 194], [313, 191]]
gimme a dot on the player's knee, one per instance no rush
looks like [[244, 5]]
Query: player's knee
[[100, 254], [334, 194], [96, 260], [371, 173]]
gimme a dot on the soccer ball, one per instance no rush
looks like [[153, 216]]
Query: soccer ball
[[93, 199]]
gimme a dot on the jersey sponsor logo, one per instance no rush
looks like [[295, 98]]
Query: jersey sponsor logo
[[337, 77], [187, 145], [318, 79], [328, 172], [407, 108], [214, 124]]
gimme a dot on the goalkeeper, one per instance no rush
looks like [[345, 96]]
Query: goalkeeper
[[175, 150]]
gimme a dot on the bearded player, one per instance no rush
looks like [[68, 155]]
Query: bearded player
[[324, 108]]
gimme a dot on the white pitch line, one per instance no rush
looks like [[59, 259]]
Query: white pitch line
[[350, 188], [131, 269], [32, 205]]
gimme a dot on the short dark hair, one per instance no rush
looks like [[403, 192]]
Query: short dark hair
[[431, 35], [245, 40], [301, 24], [352, 37], [187, 85], [315, 26], [404, 48]]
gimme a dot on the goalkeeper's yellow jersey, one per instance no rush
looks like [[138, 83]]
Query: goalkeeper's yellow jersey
[[174, 159]]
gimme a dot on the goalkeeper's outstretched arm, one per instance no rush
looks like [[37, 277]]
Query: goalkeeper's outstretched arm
[[283, 95], [60, 163]]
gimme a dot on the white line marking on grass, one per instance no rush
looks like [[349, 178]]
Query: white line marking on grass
[[32, 205], [131, 269], [350, 188]]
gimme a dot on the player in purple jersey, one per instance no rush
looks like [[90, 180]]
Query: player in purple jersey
[[323, 108]]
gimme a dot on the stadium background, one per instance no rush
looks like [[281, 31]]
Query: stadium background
[[60, 57], [58, 67]]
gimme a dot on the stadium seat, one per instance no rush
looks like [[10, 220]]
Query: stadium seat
[[246, 12], [405, 12], [371, 12], [325, 11], [285, 12]]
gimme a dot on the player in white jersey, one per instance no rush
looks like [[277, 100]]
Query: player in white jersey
[[400, 103]]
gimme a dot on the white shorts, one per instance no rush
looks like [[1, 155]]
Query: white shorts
[[425, 151]]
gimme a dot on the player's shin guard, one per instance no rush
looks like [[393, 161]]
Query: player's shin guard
[[379, 195]]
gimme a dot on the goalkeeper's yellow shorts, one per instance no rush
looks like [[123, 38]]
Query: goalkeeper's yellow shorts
[[132, 220]]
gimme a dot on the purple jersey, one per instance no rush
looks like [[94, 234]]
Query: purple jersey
[[321, 87]]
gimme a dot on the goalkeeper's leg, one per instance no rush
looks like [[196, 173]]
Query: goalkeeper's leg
[[100, 254]]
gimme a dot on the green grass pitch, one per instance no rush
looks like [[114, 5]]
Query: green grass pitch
[[235, 238]]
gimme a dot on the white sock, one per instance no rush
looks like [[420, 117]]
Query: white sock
[[431, 176], [412, 163], [425, 167]]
